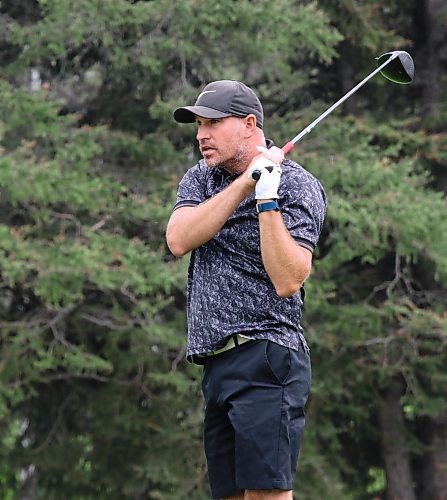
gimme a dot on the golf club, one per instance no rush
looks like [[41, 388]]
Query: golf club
[[396, 66]]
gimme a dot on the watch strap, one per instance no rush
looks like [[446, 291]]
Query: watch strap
[[267, 206]]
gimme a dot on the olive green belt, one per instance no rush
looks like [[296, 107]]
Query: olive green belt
[[233, 341]]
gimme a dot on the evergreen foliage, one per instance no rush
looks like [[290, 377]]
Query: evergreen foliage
[[96, 398]]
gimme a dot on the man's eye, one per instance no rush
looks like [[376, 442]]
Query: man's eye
[[212, 121]]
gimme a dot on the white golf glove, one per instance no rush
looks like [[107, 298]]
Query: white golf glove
[[267, 174]]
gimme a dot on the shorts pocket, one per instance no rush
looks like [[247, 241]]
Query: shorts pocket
[[278, 360]]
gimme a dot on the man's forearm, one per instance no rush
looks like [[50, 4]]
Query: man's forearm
[[287, 263], [191, 227]]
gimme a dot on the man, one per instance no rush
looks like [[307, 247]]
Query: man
[[251, 226]]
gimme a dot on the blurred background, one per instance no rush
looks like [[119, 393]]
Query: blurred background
[[96, 398]]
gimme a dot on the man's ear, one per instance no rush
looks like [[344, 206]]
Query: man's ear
[[250, 125]]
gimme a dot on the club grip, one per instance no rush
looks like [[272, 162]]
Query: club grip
[[256, 175], [288, 147]]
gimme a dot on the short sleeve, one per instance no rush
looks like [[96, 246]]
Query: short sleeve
[[303, 205], [191, 190]]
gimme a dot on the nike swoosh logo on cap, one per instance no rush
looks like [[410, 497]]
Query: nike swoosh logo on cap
[[206, 92]]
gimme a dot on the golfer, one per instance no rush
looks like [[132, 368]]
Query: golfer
[[251, 220]]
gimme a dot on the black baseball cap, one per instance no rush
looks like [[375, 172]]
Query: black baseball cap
[[221, 99]]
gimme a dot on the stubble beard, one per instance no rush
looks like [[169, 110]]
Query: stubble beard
[[237, 163], [238, 160]]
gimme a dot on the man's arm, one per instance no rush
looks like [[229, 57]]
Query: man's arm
[[190, 227], [286, 262]]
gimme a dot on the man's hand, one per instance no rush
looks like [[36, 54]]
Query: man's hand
[[268, 177], [265, 170]]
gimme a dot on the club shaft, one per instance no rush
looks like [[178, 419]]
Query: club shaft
[[287, 147]]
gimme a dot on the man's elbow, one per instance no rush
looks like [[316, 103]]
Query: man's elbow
[[175, 246], [291, 284], [287, 290], [177, 252]]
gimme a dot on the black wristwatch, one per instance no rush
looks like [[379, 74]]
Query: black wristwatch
[[267, 206]]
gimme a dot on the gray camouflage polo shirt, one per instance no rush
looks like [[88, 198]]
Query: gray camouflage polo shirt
[[229, 291]]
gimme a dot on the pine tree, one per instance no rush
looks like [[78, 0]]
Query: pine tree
[[96, 398]]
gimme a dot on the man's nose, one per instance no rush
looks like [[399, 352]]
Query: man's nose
[[202, 133]]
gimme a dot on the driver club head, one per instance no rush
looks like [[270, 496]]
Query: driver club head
[[397, 66], [400, 69]]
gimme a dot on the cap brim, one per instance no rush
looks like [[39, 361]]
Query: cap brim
[[188, 113]]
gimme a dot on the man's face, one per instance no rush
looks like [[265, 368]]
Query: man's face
[[221, 141]]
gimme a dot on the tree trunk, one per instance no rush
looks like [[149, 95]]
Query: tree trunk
[[395, 453], [434, 473], [431, 23], [346, 76]]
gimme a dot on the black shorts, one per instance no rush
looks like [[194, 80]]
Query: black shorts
[[254, 416]]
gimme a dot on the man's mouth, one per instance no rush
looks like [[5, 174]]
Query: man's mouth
[[206, 148]]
